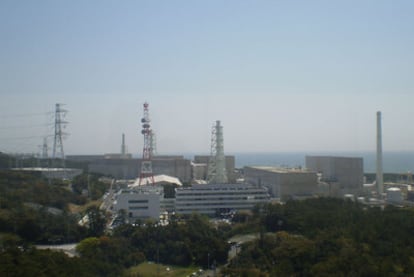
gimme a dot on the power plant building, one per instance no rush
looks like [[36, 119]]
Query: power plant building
[[283, 183], [347, 172], [127, 168], [201, 163], [213, 199]]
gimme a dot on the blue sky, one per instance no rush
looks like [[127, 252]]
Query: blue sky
[[280, 75]]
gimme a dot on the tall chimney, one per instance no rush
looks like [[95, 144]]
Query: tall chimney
[[123, 147], [380, 181]]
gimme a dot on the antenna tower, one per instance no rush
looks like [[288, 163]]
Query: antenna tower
[[217, 164], [60, 124], [146, 163]]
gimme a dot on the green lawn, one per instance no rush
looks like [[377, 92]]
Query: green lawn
[[153, 270]]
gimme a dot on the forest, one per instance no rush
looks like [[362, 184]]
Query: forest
[[325, 237]]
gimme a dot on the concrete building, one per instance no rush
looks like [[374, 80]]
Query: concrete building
[[117, 168], [201, 163], [213, 199], [199, 171], [177, 167], [283, 183], [128, 168], [142, 202], [394, 196], [347, 172]]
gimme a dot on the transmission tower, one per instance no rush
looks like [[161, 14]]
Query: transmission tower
[[44, 149], [60, 124], [217, 164], [153, 139], [146, 163]]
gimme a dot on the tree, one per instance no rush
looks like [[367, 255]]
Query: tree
[[97, 221]]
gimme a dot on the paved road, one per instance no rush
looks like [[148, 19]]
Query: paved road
[[68, 249]]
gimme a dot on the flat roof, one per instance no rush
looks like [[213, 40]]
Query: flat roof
[[332, 157], [276, 169]]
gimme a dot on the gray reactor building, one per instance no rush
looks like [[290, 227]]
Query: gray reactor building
[[346, 172]]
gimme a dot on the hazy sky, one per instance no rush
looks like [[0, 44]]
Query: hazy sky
[[280, 75]]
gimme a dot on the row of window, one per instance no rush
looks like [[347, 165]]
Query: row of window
[[220, 204], [230, 193], [138, 208], [220, 199], [137, 201]]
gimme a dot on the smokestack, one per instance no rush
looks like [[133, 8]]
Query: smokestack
[[380, 182], [123, 147]]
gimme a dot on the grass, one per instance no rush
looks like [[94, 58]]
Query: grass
[[148, 269]]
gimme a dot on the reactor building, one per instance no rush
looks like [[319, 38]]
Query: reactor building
[[345, 172], [283, 183]]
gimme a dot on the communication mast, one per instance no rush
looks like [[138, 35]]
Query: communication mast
[[146, 163], [60, 124], [217, 164]]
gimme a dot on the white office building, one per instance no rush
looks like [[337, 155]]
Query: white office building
[[142, 202], [213, 199]]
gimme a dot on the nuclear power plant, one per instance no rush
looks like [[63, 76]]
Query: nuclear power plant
[[210, 184], [146, 196]]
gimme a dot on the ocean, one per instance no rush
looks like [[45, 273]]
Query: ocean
[[393, 162]]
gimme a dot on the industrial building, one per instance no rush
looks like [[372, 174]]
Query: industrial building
[[127, 168], [142, 202], [346, 172], [201, 164], [283, 183], [213, 199]]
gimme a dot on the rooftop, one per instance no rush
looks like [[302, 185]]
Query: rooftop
[[281, 169], [158, 179]]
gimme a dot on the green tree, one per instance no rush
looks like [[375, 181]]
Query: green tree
[[97, 221]]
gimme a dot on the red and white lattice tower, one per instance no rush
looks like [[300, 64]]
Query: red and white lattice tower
[[146, 163]]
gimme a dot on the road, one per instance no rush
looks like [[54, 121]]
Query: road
[[68, 249]]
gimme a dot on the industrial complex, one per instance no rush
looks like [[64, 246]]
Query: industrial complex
[[210, 184]]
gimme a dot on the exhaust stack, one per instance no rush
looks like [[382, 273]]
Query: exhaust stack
[[379, 178]]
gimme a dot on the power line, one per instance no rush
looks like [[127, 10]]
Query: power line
[[22, 138], [24, 126], [22, 115]]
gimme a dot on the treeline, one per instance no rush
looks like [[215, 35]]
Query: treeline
[[90, 183], [16, 262], [324, 237], [22, 187], [193, 242], [36, 210]]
